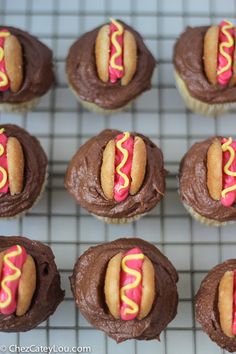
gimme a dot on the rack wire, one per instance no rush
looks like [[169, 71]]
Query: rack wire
[[62, 126]]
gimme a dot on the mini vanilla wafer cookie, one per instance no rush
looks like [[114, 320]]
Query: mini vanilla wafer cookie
[[117, 176], [205, 68], [108, 67], [130, 284], [207, 181], [23, 171]]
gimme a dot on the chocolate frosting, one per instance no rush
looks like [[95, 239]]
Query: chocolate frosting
[[48, 293], [82, 73], [193, 184], [37, 69], [34, 173], [188, 61], [87, 283], [207, 313], [82, 179]]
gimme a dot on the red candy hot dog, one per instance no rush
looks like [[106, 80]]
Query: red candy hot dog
[[123, 167], [11, 62], [13, 261], [11, 164], [219, 54], [116, 53], [130, 285], [221, 171], [17, 280]]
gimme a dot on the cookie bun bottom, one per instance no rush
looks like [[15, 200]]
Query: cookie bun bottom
[[198, 106]]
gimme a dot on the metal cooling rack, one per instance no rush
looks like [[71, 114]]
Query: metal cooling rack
[[62, 125]]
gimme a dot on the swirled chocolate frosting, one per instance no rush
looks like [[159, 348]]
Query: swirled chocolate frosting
[[48, 293], [82, 179], [82, 73], [37, 69], [87, 283], [188, 62], [193, 185], [206, 307], [34, 173]]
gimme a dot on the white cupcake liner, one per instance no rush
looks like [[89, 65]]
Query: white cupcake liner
[[198, 106], [19, 107], [93, 107], [204, 220], [108, 220]]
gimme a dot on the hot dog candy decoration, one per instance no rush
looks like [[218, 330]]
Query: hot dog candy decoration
[[17, 281], [116, 53], [227, 303], [221, 170], [11, 164], [219, 54], [129, 285], [11, 62], [123, 166]]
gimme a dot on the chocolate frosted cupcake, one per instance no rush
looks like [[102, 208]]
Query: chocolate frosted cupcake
[[205, 67], [216, 305], [26, 70], [207, 181], [126, 288], [23, 171], [109, 67], [29, 284], [117, 176]]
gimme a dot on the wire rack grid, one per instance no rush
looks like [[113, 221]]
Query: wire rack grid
[[62, 126]]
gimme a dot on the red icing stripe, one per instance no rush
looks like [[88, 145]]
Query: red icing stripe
[[228, 180], [127, 280], [224, 77], [18, 261], [114, 73], [120, 193]]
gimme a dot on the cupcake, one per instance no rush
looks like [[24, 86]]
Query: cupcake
[[126, 288], [26, 70], [207, 181], [23, 171], [205, 68], [216, 305], [29, 284], [108, 67], [117, 176]]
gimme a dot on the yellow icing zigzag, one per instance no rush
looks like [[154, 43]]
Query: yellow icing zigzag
[[4, 177], [116, 45], [1, 146], [2, 170], [16, 275], [4, 34], [226, 44], [3, 76], [226, 146], [133, 307], [123, 161]]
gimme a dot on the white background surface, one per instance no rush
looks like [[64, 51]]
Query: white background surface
[[62, 125]]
